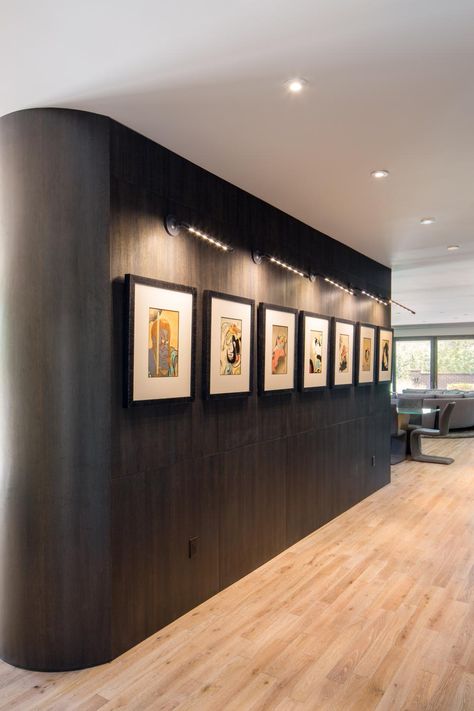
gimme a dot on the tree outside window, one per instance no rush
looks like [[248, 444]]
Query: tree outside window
[[456, 364], [412, 367]]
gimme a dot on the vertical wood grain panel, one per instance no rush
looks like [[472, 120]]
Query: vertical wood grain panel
[[55, 383], [98, 502], [251, 475]]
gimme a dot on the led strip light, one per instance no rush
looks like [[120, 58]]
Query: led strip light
[[211, 240], [346, 289], [286, 266], [374, 298], [173, 227]]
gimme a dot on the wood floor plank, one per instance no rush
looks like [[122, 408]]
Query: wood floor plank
[[373, 612]]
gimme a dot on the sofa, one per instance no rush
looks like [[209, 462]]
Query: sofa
[[463, 413]]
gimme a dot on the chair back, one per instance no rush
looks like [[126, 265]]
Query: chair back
[[445, 417]]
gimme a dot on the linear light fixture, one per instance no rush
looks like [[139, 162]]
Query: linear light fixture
[[174, 227], [378, 299], [392, 301], [346, 289], [212, 240], [274, 260], [258, 258]]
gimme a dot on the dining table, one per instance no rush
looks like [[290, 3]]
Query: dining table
[[404, 413]]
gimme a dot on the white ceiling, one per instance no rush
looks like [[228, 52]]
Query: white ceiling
[[390, 85]]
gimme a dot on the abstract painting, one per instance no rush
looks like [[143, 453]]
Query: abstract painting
[[366, 354], [280, 350], [343, 352], [231, 346], [313, 370], [163, 343], [385, 355], [277, 334], [228, 345], [315, 360], [343, 339], [365, 351]]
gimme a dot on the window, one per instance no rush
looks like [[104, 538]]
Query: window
[[437, 362], [455, 363], [413, 364]]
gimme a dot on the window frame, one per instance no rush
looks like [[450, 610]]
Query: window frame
[[433, 355]]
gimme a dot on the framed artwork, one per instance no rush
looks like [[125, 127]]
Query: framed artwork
[[365, 349], [385, 355], [314, 333], [343, 342], [228, 345], [160, 325], [277, 333]]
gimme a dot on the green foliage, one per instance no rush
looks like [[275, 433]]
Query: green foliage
[[456, 356], [412, 365], [412, 356]]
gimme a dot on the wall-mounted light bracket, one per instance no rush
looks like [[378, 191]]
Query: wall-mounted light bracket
[[172, 226], [257, 256], [312, 277]]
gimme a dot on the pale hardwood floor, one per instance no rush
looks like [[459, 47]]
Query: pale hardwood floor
[[373, 611]]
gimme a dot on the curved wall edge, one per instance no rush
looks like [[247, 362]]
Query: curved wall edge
[[55, 358]]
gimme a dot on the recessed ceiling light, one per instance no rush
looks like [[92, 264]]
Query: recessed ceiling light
[[296, 85], [380, 174], [453, 247], [427, 220]]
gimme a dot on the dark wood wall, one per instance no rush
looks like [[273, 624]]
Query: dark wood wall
[[98, 502], [250, 476]]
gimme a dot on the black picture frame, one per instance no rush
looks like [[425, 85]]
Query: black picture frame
[[377, 375], [262, 323], [131, 281], [334, 323], [301, 350], [207, 330], [361, 325]]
